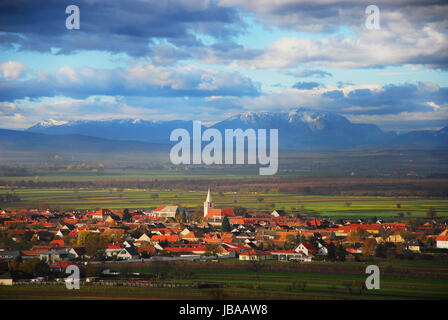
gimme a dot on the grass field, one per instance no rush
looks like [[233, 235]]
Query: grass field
[[245, 284], [332, 206], [46, 175]]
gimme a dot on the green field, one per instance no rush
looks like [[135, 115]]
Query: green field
[[332, 206], [245, 284], [59, 175]]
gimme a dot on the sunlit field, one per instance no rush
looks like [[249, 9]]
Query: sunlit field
[[331, 206], [243, 283]]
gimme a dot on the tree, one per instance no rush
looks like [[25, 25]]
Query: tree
[[368, 248], [256, 266], [136, 234], [431, 213], [340, 253], [225, 226], [35, 267], [127, 215], [94, 243], [291, 242], [357, 235], [27, 235], [212, 250], [349, 286], [331, 252], [184, 217], [300, 238], [407, 235], [380, 251], [240, 211], [92, 270], [359, 286]]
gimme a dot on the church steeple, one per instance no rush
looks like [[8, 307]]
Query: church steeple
[[208, 203], [209, 196]]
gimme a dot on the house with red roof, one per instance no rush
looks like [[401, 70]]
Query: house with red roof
[[442, 241], [165, 212], [112, 249], [146, 250], [306, 248], [57, 243], [160, 238], [254, 255], [60, 265], [305, 251], [189, 235], [187, 249]]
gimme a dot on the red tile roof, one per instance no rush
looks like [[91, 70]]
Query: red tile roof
[[58, 243], [159, 238], [61, 264], [220, 213]]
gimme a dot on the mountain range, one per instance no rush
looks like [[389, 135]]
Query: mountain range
[[23, 141], [298, 129]]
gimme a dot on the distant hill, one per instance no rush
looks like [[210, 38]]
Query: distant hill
[[12, 140], [299, 129], [128, 129]]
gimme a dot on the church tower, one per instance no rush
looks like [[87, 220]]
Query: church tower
[[208, 203]]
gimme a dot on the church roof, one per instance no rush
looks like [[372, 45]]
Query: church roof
[[220, 213]]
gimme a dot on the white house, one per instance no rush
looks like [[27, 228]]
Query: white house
[[278, 213], [306, 249], [442, 242], [322, 249], [112, 250], [254, 255], [144, 238], [165, 212], [304, 252], [77, 253], [128, 254]]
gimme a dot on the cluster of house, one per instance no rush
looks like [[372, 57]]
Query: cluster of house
[[157, 234]]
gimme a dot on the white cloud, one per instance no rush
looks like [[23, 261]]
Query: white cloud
[[7, 108], [12, 69], [433, 105], [369, 49]]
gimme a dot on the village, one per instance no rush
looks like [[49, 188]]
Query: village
[[38, 243]]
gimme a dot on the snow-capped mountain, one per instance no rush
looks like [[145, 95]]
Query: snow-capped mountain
[[305, 128], [117, 129], [301, 128], [50, 123]]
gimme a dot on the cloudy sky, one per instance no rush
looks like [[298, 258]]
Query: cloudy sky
[[210, 59]]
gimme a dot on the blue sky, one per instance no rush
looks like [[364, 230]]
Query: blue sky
[[210, 59]]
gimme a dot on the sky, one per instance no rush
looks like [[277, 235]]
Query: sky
[[211, 59]]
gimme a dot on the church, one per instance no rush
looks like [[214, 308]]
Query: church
[[212, 215]]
